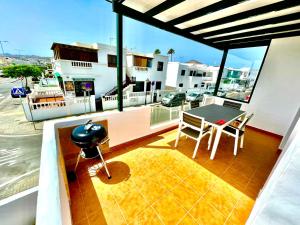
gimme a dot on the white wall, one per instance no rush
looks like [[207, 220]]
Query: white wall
[[275, 100], [19, 209], [172, 74], [50, 110]]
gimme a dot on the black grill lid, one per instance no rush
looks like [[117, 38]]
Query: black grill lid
[[89, 133]]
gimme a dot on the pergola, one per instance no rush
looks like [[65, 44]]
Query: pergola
[[222, 24]]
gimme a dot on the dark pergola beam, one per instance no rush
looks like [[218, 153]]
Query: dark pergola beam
[[126, 11], [205, 10], [248, 44], [246, 14], [222, 65], [285, 28], [275, 20], [269, 37], [162, 7]]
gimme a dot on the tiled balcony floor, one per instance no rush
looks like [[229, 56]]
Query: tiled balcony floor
[[153, 183]]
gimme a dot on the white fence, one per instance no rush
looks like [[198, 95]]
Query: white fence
[[50, 110], [132, 99]]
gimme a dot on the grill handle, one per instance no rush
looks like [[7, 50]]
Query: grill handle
[[88, 125]]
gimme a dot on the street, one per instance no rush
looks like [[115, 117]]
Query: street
[[20, 144]]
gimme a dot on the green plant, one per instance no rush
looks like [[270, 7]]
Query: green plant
[[157, 51], [23, 71]]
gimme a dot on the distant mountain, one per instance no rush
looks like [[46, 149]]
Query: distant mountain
[[26, 56], [194, 62]]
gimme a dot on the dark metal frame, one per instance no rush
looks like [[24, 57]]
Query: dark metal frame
[[218, 43], [221, 72]]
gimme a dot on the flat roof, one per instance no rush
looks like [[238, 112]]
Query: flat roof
[[222, 24], [60, 45]]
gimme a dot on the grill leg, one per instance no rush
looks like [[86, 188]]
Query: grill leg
[[104, 163], [78, 158]]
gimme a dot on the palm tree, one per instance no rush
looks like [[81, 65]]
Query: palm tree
[[171, 52], [157, 52]]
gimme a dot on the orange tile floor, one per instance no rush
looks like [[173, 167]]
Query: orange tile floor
[[154, 183]]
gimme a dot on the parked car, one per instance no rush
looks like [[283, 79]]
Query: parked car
[[173, 99], [17, 92], [194, 96]]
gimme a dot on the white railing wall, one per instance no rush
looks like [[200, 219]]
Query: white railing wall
[[133, 99], [50, 110], [129, 99]]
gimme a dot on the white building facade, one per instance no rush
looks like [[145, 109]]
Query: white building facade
[[186, 76], [92, 65], [149, 71]]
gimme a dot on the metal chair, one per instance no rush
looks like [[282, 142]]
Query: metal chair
[[207, 100], [231, 104], [195, 128], [238, 132]]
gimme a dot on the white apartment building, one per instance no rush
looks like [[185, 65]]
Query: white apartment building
[[93, 67], [185, 76], [83, 67], [149, 71]]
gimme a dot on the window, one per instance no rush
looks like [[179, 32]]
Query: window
[[158, 85], [180, 85], [160, 66], [182, 72], [139, 86], [112, 60], [142, 61], [241, 72], [195, 85], [84, 87], [191, 73]]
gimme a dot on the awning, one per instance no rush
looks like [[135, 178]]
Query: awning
[[223, 24]]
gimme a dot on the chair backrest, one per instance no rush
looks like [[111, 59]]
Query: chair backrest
[[208, 99], [231, 104], [194, 104], [192, 121], [245, 121]]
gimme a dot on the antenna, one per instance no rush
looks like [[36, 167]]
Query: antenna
[[19, 52], [2, 46]]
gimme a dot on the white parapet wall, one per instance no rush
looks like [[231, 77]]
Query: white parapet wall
[[50, 110], [132, 99], [19, 209]]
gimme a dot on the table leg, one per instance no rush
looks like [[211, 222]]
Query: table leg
[[216, 142]]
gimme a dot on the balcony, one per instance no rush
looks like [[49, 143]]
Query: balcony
[[151, 179], [154, 182], [141, 68], [81, 64]]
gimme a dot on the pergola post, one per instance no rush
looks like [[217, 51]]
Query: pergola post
[[220, 71], [119, 39]]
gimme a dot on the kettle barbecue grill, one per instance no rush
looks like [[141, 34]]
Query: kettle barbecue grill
[[88, 137]]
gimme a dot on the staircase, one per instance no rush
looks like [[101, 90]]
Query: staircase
[[126, 83]]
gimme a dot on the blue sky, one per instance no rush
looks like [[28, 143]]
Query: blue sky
[[33, 25]]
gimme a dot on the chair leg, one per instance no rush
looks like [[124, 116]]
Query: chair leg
[[196, 148], [210, 139], [177, 138], [242, 142], [236, 142]]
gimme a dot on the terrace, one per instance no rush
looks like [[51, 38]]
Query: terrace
[[154, 182]]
